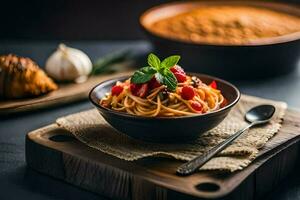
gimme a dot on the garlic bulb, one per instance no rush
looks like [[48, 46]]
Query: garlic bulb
[[69, 64]]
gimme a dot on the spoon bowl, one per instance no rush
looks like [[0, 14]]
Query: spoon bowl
[[260, 114]]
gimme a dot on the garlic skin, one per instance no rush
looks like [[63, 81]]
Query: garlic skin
[[69, 64]]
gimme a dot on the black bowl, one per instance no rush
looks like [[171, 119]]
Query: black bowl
[[263, 58], [164, 129]]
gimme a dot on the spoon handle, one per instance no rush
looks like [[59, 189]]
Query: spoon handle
[[194, 164]]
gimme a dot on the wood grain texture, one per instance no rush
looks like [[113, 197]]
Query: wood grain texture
[[66, 93], [155, 178]]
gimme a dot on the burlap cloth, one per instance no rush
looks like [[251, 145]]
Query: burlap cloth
[[90, 128]]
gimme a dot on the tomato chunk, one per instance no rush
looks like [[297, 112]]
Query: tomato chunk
[[196, 106], [116, 90], [224, 103], [213, 84], [179, 73], [139, 90], [154, 83], [187, 92]]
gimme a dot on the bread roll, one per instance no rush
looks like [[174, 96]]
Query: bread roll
[[21, 77]]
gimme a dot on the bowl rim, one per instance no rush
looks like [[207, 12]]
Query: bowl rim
[[258, 42], [210, 114]]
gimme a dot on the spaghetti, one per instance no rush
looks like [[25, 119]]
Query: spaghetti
[[163, 89], [161, 102]]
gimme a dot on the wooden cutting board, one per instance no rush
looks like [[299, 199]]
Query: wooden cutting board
[[54, 151], [66, 93]]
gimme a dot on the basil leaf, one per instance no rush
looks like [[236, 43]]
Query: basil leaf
[[143, 75], [170, 80], [160, 78], [170, 61], [161, 71], [153, 61]]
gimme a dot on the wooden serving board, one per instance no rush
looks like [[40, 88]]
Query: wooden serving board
[[54, 151], [66, 93]]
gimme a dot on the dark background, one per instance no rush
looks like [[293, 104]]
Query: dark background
[[74, 19]]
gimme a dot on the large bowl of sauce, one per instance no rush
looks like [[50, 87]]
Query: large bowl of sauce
[[234, 40]]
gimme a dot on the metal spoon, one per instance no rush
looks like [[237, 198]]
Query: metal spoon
[[255, 116]]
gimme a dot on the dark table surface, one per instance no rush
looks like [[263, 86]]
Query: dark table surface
[[17, 181]]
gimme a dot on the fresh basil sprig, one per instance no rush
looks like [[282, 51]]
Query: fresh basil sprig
[[159, 69], [104, 63]]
